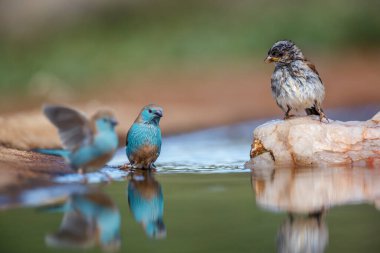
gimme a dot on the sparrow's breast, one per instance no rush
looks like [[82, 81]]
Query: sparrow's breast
[[296, 87]]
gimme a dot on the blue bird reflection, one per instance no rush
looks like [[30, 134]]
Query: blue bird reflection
[[146, 203], [90, 219]]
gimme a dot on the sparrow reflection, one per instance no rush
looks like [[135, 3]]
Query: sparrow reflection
[[90, 219], [146, 203], [306, 195], [301, 234]]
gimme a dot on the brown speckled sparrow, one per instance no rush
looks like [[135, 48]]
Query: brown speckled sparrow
[[296, 84]]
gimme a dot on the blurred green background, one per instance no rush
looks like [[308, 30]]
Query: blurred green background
[[86, 42]]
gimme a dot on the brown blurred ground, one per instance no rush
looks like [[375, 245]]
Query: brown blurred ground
[[191, 100]]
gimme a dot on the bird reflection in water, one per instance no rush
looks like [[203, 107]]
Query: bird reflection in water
[[306, 195], [146, 203], [301, 234], [90, 219]]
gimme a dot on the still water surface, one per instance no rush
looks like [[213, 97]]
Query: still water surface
[[201, 199]]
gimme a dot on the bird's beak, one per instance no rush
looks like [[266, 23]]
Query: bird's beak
[[114, 122], [270, 59], [158, 113]]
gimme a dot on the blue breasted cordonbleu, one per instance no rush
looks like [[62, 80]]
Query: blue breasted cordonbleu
[[143, 144], [90, 219], [89, 143], [146, 203]]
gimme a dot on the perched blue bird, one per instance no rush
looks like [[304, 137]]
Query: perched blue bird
[[89, 219], [88, 143], [146, 203], [143, 145]]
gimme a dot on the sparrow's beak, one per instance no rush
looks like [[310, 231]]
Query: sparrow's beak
[[270, 59], [158, 113], [114, 122]]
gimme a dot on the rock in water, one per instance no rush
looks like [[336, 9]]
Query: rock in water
[[305, 141]]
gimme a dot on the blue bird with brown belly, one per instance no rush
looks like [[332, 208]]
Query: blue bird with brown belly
[[143, 144]]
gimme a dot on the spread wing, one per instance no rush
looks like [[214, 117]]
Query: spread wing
[[74, 128]]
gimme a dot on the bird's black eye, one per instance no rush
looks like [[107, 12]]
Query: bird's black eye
[[277, 53], [150, 111]]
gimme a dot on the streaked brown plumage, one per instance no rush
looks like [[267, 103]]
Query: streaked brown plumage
[[295, 82]]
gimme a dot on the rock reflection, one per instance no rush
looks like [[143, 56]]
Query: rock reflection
[[311, 190], [306, 195], [90, 219], [146, 203]]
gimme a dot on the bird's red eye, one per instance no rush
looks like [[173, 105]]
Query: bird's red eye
[[150, 111]]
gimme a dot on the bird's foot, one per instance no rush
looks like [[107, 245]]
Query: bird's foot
[[126, 166], [288, 116], [84, 179], [322, 116]]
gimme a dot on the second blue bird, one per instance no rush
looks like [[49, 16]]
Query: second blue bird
[[88, 142], [143, 145]]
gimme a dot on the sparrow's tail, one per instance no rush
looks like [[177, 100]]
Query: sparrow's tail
[[312, 111], [56, 152]]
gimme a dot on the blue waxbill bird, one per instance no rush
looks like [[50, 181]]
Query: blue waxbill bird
[[89, 143], [143, 144], [146, 203]]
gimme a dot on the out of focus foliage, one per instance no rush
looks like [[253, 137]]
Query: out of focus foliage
[[84, 41]]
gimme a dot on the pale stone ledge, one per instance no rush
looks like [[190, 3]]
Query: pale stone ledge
[[305, 141]]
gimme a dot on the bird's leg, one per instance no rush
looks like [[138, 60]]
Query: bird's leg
[[322, 115], [152, 167], [84, 176], [287, 115], [291, 217]]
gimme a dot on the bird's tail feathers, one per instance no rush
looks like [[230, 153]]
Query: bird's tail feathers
[[312, 111], [57, 152], [54, 208]]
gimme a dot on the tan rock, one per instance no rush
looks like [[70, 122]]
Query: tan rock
[[305, 141]]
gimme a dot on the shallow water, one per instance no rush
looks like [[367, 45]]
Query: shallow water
[[201, 199]]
